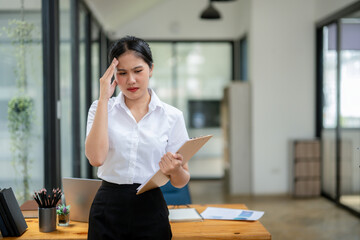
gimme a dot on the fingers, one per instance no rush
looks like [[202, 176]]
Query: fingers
[[113, 84], [162, 166], [170, 162], [110, 71], [178, 156], [168, 159], [106, 87], [165, 162]]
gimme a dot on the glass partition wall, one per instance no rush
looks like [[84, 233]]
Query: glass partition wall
[[24, 162], [65, 87], [340, 123], [328, 134], [21, 99], [349, 113], [82, 78], [80, 61], [191, 77]]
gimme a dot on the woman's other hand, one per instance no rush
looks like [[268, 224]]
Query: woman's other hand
[[172, 166], [106, 87], [171, 163]]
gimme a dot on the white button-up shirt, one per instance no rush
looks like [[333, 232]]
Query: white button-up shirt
[[135, 149]]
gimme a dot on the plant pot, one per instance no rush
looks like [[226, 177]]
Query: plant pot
[[63, 220]]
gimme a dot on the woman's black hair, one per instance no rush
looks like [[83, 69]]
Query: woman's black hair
[[131, 43]]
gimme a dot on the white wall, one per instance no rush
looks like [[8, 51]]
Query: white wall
[[282, 71], [281, 40], [283, 98]]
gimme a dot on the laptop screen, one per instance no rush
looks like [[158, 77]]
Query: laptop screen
[[79, 193]]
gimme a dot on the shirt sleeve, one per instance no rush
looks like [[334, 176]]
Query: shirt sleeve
[[91, 116], [178, 135]]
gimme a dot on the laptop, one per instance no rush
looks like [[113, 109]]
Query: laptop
[[79, 193]]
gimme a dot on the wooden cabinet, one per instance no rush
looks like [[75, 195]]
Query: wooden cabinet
[[307, 168]]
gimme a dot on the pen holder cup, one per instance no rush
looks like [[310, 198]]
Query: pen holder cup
[[47, 219]]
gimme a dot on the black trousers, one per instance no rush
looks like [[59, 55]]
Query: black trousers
[[118, 213]]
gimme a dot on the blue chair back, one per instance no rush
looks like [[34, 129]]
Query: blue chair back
[[176, 196]]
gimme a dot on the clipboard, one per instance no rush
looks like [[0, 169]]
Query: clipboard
[[187, 150]]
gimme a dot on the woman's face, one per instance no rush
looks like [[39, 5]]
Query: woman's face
[[132, 75]]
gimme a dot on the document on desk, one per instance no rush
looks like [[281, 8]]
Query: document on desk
[[187, 150], [184, 215], [231, 214]]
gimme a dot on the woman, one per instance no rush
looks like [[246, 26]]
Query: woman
[[129, 137]]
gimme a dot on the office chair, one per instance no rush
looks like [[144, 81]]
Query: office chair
[[176, 196]]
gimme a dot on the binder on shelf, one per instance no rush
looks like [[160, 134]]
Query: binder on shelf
[[12, 211], [187, 150]]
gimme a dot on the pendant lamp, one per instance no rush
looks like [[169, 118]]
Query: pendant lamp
[[210, 13]]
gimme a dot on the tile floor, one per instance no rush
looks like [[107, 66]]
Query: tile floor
[[287, 218]]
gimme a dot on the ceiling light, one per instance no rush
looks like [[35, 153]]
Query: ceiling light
[[210, 12]]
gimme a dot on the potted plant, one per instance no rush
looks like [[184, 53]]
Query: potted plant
[[19, 125], [63, 213], [20, 107]]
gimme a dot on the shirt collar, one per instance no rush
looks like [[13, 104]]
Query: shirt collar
[[154, 102]]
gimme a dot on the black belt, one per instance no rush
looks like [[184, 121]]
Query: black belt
[[122, 186]]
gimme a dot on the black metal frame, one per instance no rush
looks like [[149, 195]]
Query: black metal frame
[[335, 18], [104, 44], [52, 151], [88, 86], [75, 75], [319, 83]]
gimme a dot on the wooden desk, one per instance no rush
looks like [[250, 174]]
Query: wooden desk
[[219, 229], [208, 229]]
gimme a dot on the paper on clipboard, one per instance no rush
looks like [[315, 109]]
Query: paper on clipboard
[[187, 150]]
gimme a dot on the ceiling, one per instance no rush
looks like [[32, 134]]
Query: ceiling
[[116, 13]]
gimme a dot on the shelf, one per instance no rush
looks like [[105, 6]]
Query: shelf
[[307, 168]]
